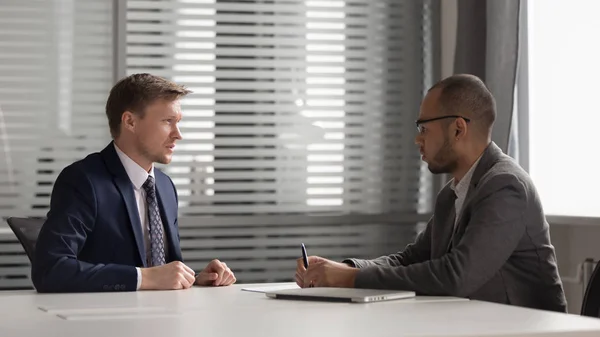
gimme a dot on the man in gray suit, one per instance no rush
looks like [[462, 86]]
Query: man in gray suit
[[488, 238]]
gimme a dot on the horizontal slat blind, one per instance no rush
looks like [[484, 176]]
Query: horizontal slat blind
[[55, 73], [298, 106]]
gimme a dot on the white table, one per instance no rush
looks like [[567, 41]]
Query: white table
[[229, 311]]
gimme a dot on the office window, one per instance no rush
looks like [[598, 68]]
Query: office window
[[55, 72], [563, 109], [300, 126]]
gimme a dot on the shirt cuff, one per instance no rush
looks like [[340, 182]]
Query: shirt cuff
[[139, 278], [350, 262]]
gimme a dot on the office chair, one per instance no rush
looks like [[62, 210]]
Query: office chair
[[26, 230], [591, 299]]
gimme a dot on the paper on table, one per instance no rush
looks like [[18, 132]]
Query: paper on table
[[113, 316], [91, 310], [266, 289]]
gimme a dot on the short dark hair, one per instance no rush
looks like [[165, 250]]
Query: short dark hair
[[134, 93], [466, 95]]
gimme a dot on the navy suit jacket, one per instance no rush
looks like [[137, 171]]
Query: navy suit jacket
[[92, 239]]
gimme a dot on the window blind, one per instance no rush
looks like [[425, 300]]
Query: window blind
[[55, 74]]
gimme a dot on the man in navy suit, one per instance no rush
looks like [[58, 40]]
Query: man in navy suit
[[112, 224]]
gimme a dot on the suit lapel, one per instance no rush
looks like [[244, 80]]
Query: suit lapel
[[125, 187], [490, 157], [162, 189], [444, 222]]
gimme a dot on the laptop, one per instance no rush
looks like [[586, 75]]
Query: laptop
[[340, 294]]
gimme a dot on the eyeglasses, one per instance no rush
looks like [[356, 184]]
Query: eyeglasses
[[420, 122]]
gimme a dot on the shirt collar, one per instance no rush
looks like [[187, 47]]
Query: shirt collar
[[136, 173], [462, 186]]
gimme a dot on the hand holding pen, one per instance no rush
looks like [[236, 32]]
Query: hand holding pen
[[323, 272]]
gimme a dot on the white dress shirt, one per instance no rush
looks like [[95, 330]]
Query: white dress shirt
[[138, 177]]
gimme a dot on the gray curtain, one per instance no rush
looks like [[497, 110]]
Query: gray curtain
[[487, 45]]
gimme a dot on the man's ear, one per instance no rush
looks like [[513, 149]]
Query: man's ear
[[461, 127], [129, 120]]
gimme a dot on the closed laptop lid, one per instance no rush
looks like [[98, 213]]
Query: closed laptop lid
[[341, 294]]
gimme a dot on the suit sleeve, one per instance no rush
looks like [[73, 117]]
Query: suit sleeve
[[416, 252], [491, 236], [71, 219]]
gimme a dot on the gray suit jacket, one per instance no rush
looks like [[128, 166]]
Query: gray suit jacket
[[500, 251]]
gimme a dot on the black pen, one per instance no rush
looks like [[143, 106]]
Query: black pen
[[304, 256]]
